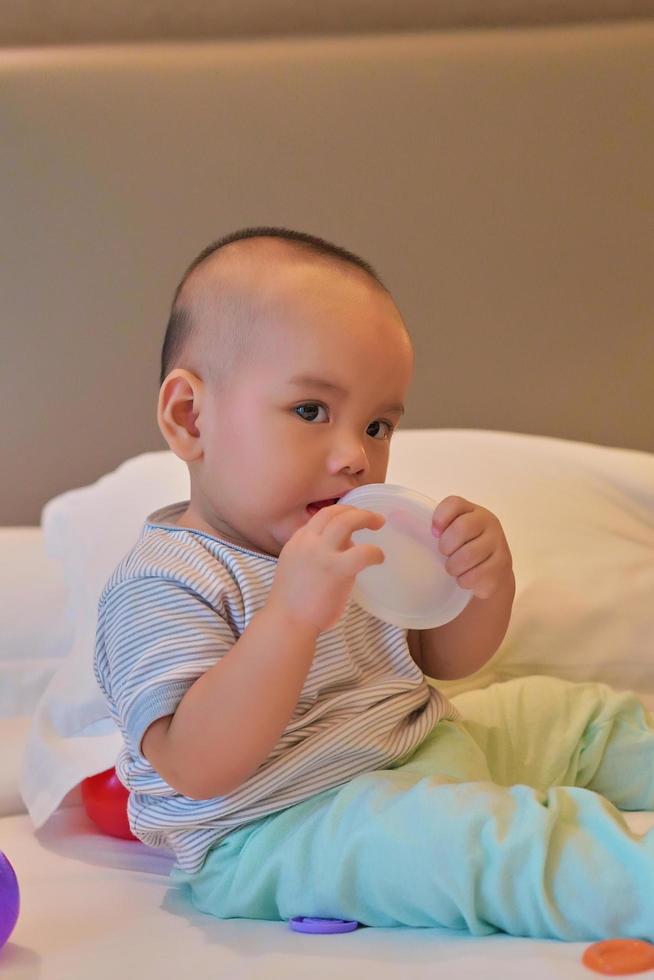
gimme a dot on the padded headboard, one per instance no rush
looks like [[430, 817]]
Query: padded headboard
[[501, 181]]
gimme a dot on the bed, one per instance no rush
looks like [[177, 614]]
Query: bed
[[514, 170], [94, 904]]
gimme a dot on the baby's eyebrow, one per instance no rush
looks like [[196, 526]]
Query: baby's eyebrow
[[310, 381]]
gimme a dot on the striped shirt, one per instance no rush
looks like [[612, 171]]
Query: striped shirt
[[177, 602]]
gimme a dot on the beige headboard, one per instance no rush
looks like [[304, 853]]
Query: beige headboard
[[501, 181]]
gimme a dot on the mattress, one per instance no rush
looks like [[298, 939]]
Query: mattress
[[97, 907]]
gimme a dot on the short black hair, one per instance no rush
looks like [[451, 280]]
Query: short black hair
[[179, 322]]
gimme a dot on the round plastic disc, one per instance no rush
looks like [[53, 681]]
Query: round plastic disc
[[305, 923], [617, 957], [411, 589]]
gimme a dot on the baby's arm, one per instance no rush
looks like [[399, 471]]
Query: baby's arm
[[233, 715], [466, 643], [231, 718]]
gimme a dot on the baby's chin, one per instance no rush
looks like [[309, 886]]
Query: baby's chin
[[268, 541], [278, 536], [271, 540]]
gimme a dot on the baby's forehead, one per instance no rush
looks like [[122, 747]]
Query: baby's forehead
[[271, 270], [261, 289]]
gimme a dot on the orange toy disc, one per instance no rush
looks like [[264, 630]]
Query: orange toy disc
[[616, 957]]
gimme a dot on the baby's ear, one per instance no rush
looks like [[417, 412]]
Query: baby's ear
[[179, 406]]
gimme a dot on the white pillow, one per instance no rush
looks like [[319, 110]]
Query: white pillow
[[88, 530], [579, 519], [34, 630], [34, 636]]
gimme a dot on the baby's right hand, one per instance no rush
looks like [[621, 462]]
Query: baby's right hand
[[318, 565]]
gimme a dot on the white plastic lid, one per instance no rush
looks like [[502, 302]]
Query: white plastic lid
[[411, 589]]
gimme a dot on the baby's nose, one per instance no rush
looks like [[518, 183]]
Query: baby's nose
[[350, 456]]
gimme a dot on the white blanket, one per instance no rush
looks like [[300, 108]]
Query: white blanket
[[97, 908]]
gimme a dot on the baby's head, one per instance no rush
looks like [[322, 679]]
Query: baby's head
[[284, 369]]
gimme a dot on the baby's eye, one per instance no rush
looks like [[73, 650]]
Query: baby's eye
[[312, 408], [386, 434]]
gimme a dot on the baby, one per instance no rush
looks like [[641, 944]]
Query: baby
[[285, 744]]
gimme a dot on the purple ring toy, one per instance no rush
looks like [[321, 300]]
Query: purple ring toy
[[306, 923]]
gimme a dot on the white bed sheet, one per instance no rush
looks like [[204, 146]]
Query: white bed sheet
[[96, 907]]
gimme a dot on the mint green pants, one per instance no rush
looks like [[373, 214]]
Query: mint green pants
[[498, 822]]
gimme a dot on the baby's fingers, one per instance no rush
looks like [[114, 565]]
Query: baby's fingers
[[448, 510], [358, 557], [344, 521], [469, 555]]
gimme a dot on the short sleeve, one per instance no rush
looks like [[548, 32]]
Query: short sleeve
[[154, 638]]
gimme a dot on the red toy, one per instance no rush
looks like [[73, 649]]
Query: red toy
[[105, 800]]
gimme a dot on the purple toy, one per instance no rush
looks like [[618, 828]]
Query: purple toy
[[306, 923], [9, 899]]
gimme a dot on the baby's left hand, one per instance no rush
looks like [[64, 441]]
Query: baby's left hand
[[472, 538]]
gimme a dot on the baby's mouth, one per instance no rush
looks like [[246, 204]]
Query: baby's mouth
[[317, 505]]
